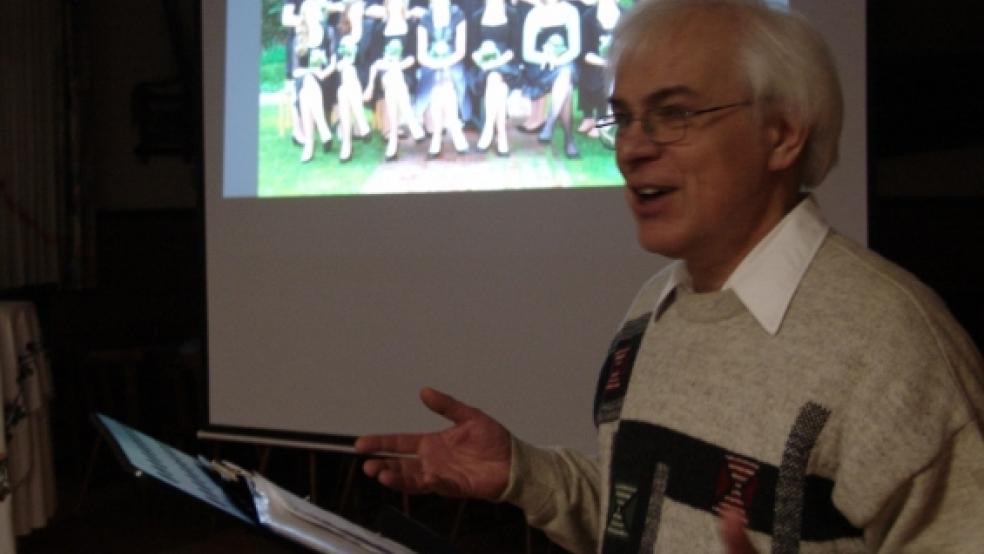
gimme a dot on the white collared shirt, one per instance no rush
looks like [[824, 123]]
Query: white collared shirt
[[769, 275]]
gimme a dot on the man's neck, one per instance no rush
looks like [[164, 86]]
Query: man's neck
[[710, 271], [710, 278]]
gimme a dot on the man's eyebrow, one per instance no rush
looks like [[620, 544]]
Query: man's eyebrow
[[657, 97]]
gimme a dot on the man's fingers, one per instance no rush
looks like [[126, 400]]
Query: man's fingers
[[399, 474], [407, 443], [404, 443], [447, 406], [733, 533], [376, 466]]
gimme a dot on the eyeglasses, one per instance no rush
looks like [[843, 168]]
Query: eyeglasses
[[662, 125]]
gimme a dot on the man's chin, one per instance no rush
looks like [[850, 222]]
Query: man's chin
[[658, 244], [660, 248]]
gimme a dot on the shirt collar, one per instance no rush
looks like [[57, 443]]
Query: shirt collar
[[769, 275]]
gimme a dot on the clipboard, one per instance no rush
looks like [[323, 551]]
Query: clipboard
[[241, 494]]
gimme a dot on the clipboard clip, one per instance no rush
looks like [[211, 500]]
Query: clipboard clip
[[233, 480], [226, 470]]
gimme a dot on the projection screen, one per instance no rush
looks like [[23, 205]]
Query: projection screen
[[327, 310]]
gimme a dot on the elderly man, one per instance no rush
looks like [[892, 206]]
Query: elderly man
[[779, 387]]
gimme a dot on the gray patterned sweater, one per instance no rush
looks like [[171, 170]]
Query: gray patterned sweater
[[854, 429]]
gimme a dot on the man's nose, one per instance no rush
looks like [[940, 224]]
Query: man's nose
[[633, 142]]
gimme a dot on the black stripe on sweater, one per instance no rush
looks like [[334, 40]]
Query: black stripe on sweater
[[707, 477]]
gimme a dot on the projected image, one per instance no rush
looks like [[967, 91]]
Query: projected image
[[406, 96]]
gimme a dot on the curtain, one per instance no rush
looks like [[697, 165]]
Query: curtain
[[43, 219]]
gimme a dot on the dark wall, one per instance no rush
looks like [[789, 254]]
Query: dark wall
[[136, 47], [926, 141], [924, 66], [142, 124]]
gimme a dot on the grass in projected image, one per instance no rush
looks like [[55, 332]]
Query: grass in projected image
[[530, 165]]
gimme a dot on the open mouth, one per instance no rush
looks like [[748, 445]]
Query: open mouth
[[647, 194]]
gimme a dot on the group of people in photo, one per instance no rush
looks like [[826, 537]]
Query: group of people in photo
[[434, 67]]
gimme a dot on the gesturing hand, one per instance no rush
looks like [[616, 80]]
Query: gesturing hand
[[733, 534], [469, 459]]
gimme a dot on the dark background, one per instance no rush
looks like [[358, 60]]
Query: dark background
[[132, 344]]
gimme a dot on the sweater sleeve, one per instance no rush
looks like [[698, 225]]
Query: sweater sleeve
[[558, 491], [940, 509], [911, 452]]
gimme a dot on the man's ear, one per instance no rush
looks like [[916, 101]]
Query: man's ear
[[787, 138]]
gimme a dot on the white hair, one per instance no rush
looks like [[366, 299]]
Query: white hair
[[785, 61]]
